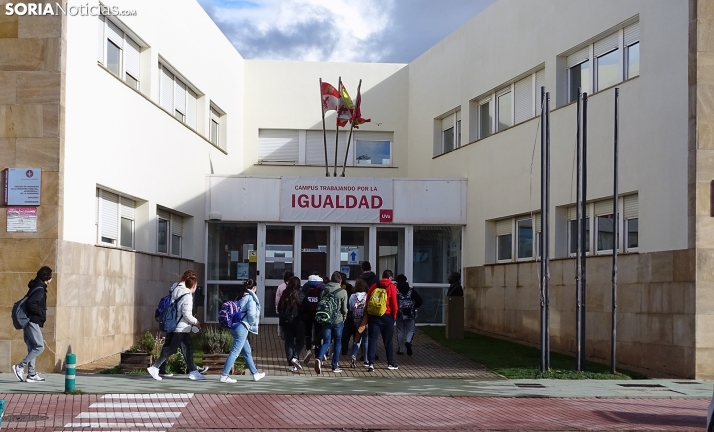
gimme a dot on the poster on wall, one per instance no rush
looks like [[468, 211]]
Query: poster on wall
[[336, 199], [22, 219], [22, 186]]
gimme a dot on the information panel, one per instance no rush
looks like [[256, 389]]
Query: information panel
[[22, 186], [22, 219]]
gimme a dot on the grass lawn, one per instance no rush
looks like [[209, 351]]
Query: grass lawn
[[516, 361]]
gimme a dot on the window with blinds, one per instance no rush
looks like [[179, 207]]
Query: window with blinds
[[216, 132], [177, 97], [604, 221], [450, 131], [278, 146], [115, 218], [118, 52], [315, 148], [504, 240], [169, 238]]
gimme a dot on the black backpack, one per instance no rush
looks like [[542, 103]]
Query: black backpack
[[288, 315]]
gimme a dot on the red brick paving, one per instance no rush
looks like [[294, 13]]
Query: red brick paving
[[384, 413]]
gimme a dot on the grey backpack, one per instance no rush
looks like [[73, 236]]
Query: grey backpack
[[19, 314]]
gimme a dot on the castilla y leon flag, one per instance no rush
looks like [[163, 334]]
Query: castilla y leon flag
[[330, 97], [345, 107], [357, 113]]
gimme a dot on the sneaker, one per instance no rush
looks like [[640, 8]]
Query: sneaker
[[392, 367], [227, 379], [353, 362], [318, 366], [336, 369], [370, 368], [166, 374], [154, 372], [202, 369], [258, 376], [296, 363], [292, 368], [366, 364], [307, 356], [19, 372], [399, 352], [196, 376], [34, 378], [409, 348]]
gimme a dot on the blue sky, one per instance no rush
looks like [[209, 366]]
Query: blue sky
[[392, 31]]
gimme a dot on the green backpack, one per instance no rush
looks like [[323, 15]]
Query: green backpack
[[327, 308]]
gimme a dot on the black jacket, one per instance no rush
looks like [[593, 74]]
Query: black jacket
[[36, 304], [455, 290], [370, 278]]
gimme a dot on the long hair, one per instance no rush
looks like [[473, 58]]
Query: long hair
[[243, 289], [187, 274], [291, 294], [361, 285]]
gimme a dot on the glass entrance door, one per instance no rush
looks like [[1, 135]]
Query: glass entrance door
[[278, 257], [314, 251], [354, 249], [391, 243]]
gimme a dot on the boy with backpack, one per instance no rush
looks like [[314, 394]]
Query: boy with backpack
[[35, 310], [409, 301], [382, 307], [331, 312], [312, 290]]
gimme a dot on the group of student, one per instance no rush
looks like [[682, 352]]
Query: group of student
[[360, 313]]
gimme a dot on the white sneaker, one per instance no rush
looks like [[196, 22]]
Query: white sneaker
[[196, 376], [227, 379], [19, 372], [292, 369], [154, 372], [258, 376], [296, 363]]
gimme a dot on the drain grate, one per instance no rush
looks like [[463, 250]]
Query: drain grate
[[24, 418], [686, 382], [530, 385], [641, 385]]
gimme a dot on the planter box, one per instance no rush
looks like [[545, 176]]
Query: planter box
[[134, 361], [215, 363]]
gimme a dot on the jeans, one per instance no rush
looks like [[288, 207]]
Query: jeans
[[294, 339], [405, 332], [363, 343], [240, 346], [385, 325], [35, 346], [177, 339], [327, 333]]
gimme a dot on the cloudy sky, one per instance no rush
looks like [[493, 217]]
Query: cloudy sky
[[395, 31]]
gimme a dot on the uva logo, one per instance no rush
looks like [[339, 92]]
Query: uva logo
[[29, 173], [385, 216]]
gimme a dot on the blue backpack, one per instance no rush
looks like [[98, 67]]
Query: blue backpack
[[230, 315], [163, 304], [169, 317]]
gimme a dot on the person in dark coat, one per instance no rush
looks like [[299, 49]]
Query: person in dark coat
[[36, 310], [455, 288], [409, 301], [367, 274]]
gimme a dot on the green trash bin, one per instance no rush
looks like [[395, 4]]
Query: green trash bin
[[2, 410]]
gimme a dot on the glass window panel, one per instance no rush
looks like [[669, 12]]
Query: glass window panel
[[632, 233], [432, 308], [214, 132], [633, 60], [525, 238], [579, 76], [457, 142], [390, 250], [373, 152], [485, 121], [448, 139], [437, 252], [231, 249], [175, 245], [279, 251], [179, 116], [354, 249], [217, 294], [505, 111], [113, 58], [503, 244], [268, 305], [127, 233], [132, 81], [605, 232], [315, 253], [163, 238], [608, 70], [574, 233]]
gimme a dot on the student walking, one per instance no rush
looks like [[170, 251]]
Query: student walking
[[278, 293], [409, 301], [357, 306], [36, 311], [182, 296], [313, 331], [382, 309], [292, 320], [334, 295], [249, 305]]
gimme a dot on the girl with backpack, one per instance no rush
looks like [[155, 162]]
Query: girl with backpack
[[357, 304], [249, 306], [409, 301], [292, 321]]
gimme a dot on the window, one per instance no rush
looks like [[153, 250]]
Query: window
[[278, 145], [607, 59], [217, 127], [632, 50], [504, 240], [573, 231], [485, 119], [372, 152], [525, 238], [450, 132], [504, 111], [118, 52], [629, 213], [604, 226], [115, 219], [176, 97], [169, 232], [602, 214], [578, 73]]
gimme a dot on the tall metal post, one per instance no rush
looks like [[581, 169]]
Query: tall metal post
[[544, 225], [583, 269], [578, 240], [545, 216], [616, 246]]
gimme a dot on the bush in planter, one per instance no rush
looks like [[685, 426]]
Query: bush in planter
[[145, 344], [176, 364], [216, 340]]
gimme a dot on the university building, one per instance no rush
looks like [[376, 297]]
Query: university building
[[162, 150]]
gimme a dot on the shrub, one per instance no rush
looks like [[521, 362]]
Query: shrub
[[176, 364], [216, 340], [145, 344]]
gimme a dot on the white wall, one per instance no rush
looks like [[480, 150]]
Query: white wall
[[119, 139]]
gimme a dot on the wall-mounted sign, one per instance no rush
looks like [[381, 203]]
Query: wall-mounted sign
[[22, 186], [22, 219], [335, 199]]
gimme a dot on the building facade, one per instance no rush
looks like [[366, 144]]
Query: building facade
[[162, 150]]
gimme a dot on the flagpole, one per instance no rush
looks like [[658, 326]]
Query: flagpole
[[324, 134], [337, 125], [349, 138]]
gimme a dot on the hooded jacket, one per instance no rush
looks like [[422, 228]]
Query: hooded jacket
[[369, 277], [251, 305], [341, 296], [392, 304], [185, 308], [36, 304]]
